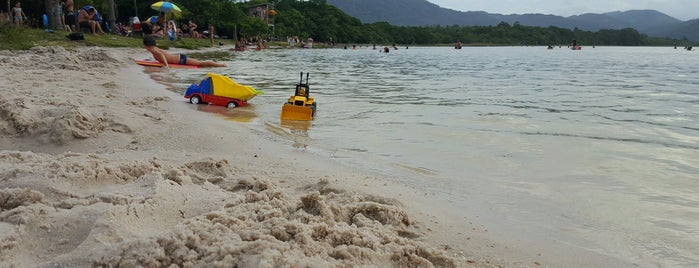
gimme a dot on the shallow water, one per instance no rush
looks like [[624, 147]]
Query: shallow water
[[597, 148]]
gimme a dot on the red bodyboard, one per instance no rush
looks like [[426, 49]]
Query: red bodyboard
[[158, 64]]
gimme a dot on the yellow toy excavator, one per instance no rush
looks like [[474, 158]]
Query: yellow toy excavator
[[300, 106]]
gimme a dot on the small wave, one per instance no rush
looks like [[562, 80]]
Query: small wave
[[628, 110], [665, 144], [356, 150], [551, 110], [647, 123], [672, 200], [391, 123], [504, 115], [419, 170]]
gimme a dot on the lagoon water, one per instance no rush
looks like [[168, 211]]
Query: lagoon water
[[597, 149]]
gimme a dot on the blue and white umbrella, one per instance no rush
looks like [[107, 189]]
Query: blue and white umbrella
[[152, 19]]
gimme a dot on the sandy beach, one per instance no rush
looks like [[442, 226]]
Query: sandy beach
[[101, 166]]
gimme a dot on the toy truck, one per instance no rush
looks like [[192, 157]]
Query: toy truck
[[300, 106], [220, 90]]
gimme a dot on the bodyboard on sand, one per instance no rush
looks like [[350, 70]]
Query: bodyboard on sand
[[158, 64]]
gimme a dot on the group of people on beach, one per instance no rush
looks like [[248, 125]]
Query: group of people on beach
[[242, 44], [159, 26], [87, 17]]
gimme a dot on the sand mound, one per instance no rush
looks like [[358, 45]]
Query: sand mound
[[63, 111], [83, 59], [57, 125], [264, 228], [100, 207], [12, 198]]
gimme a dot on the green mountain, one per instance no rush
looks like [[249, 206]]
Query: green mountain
[[424, 13]]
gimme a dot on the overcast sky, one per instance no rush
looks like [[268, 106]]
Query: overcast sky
[[680, 9]]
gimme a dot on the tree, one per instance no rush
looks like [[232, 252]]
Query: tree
[[53, 13]]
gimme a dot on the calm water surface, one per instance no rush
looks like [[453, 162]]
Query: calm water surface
[[597, 148]]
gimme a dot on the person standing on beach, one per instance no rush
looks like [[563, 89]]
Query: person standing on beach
[[70, 14], [62, 12], [211, 34], [167, 58], [19, 16]]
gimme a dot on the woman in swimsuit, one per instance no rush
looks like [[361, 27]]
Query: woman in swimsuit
[[19, 15]]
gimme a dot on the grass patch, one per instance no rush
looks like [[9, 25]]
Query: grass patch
[[24, 38], [13, 38]]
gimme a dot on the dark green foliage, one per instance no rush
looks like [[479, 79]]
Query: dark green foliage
[[325, 23]]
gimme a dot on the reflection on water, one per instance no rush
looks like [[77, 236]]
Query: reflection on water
[[243, 114], [219, 55], [597, 149], [299, 131], [164, 76], [296, 125], [294, 131]]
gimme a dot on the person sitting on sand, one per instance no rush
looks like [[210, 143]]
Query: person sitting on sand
[[167, 58], [86, 17], [193, 32]]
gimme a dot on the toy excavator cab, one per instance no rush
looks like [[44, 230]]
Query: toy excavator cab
[[302, 88], [300, 106]]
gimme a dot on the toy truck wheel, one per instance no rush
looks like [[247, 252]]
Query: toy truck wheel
[[195, 99], [232, 104]]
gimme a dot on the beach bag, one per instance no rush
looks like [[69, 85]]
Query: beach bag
[[76, 36]]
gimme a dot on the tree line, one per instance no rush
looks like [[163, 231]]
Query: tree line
[[326, 23]]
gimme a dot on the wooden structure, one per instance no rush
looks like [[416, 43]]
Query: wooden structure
[[262, 11]]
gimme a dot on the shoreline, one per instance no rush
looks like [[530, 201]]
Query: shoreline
[[102, 166]]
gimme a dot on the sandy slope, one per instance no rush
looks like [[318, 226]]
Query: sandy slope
[[99, 166]]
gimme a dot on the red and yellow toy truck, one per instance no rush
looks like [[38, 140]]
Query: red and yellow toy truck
[[220, 90]]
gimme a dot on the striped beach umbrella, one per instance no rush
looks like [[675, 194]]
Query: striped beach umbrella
[[166, 7]]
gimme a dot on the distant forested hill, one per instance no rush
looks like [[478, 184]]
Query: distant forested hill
[[410, 13], [424, 13]]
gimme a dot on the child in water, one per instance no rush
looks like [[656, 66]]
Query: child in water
[[167, 58]]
